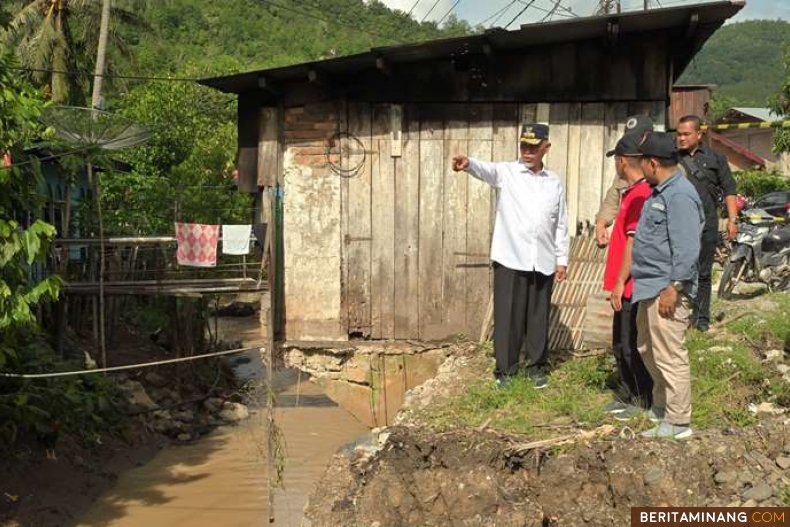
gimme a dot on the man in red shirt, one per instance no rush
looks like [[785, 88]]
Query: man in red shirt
[[634, 393]]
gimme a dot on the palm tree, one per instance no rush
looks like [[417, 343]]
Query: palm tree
[[57, 36]]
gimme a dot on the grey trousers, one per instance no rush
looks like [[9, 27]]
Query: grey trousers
[[522, 302]]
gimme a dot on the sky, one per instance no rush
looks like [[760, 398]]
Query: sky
[[478, 11]]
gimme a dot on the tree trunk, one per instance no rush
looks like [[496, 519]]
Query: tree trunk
[[101, 54]]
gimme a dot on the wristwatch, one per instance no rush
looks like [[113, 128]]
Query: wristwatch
[[678, 285]]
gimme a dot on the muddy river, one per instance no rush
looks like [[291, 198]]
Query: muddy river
[[221, 479]]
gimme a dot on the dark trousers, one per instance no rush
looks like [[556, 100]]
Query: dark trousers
[[710, 238], [522, 301], [636, 385]]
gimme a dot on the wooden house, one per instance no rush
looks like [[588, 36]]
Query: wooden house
[[380, 238]]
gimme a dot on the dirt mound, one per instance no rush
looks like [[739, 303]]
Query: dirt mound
[[478, 478]]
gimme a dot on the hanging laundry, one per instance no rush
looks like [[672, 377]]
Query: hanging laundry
[[236, 239], [260, 238], [197, 244]]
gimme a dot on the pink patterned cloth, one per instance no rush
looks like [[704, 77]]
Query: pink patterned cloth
[[197, 244]]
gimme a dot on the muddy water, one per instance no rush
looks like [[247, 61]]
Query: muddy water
[[221, 479]]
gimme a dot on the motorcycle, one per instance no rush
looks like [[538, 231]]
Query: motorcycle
[[760, 253]]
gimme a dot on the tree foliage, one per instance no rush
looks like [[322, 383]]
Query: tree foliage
[[21, 243], [756, 183], [185, 171], [264, 34], [56, 39], [744, 60]]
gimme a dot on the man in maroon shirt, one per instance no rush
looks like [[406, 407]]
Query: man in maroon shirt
[[634, 392]]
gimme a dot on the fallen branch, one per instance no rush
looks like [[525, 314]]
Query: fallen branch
[[589, 353], [520, 449], [724, 322]]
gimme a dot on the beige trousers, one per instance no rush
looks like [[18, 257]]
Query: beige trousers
[[662, 344]]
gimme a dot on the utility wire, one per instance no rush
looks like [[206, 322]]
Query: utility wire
[[569, 11], [48, 158], [430, 11], [127, 366], [413, 7], [498, 14], [551, 13], [519, 13], [448, 12], [105, 75]]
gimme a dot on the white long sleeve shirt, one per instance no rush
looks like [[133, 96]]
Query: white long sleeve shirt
[[531, 228]]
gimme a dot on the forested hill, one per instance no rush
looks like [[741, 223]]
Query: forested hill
[[745, 61], [252, 34]]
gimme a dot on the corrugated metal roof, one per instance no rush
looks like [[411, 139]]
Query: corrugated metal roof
[[764, 114], [701, 21]]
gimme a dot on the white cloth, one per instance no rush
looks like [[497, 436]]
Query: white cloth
[[531, 229], [236, 239]]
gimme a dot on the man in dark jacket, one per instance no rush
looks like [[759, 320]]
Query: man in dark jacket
[[710, 174]]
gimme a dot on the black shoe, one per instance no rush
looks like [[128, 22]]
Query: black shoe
[[703, 327], [539, 379], [502, 382]]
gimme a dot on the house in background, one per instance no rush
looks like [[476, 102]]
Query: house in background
[[757, 142], [381, 239]]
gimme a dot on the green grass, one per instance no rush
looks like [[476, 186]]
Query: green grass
[[772, 327], [724, 384], [574, 397]]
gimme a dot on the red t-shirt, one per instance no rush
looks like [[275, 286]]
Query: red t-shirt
[[625, 224]]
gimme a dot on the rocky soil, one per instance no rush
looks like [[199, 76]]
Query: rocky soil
[[409, 476]]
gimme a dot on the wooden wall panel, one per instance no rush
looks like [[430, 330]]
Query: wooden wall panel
[[269, 168], [432, 159], [479, 226], [614, 126], [557, 158], [573, 164], [248, 132], [359, 232], [454, 220], [382, 279], [407, 228], [590, 162]]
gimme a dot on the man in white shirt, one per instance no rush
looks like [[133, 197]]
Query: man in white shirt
[[529, 250]]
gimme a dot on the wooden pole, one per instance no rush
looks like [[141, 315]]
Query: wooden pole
[[102, 329], [270, 330]]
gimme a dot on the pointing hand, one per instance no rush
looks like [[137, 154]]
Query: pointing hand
[[460, 163]]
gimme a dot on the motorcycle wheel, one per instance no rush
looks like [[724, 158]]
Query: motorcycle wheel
[[730, 276]]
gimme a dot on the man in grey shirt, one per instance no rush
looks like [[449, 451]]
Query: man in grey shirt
[[665, 271]]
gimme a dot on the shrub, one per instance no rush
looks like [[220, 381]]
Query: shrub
[[755, 183]]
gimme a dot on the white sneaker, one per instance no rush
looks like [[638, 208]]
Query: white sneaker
[[668, 431]]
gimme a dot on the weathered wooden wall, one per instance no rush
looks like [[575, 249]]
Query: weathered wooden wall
[[400, 248]]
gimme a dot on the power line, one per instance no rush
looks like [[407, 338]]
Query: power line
[[448, 12], [127, 366], [412, 7], [551, 13], [519, 13], [498, 14], [105, 75], [48, 158], [562, 7], [430, 11]]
